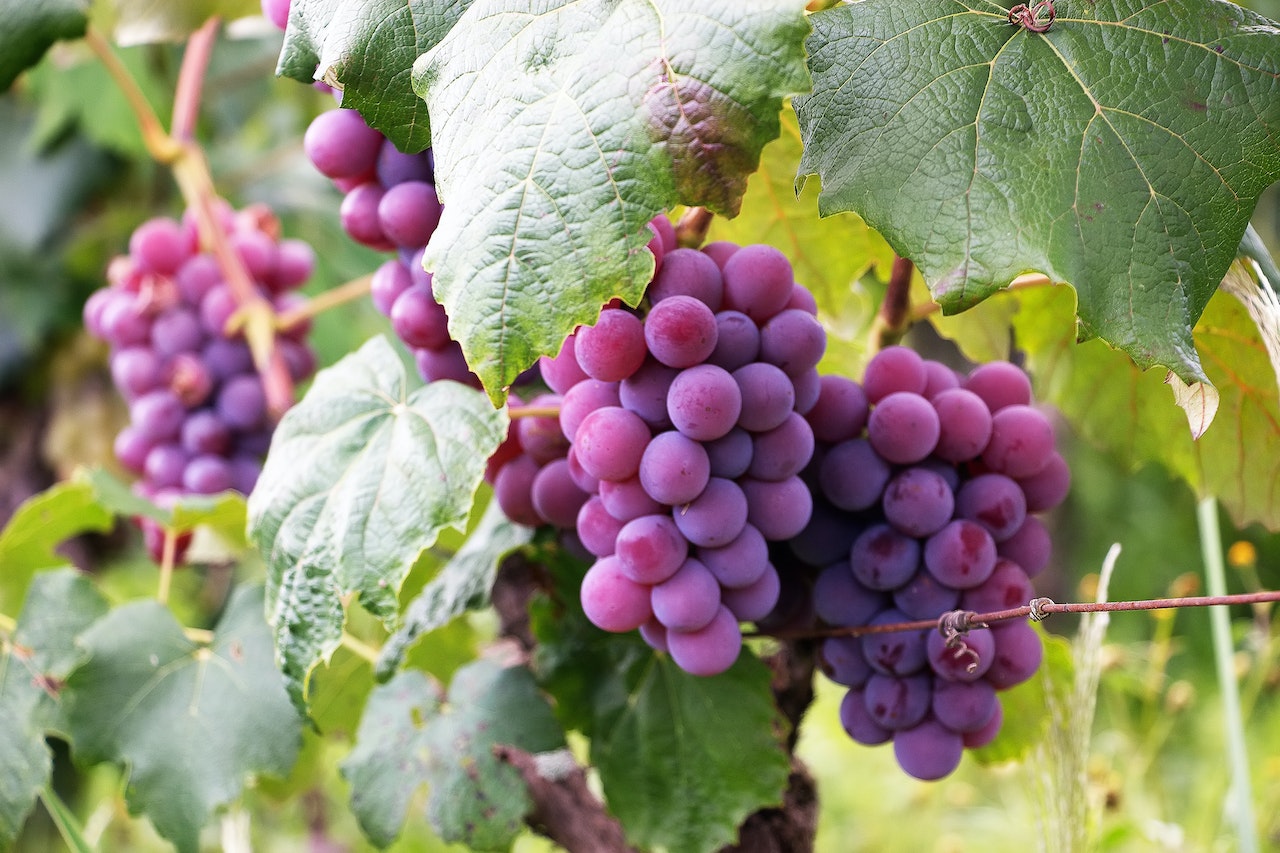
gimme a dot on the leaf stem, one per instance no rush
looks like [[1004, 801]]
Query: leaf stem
[[360, 648], [894, 317], [168, 556], [8, 624], [199, 636], [332, 298], [1240, 796], [160, 145], [691, 230], [65, 820], [195, 61]]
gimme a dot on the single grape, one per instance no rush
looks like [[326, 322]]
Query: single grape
[[161, 246], [756, 601], [340, 144], [757, 281], [1017, 656], [135, 370], [853, 476], [899, 653], [1047, 488], [690, 273], [1000, 384], [241, 402], [709, 650], [730, 454], [968, 659], [768, 397], [207, 474], [783, 451], [563, 372], [513, 489], [645, 392], [704, 402], [928, 750], [556, 498], [1021, 442], [903, 427], [964, 425], [741, 562], [689, 599], [964, 707], [1030, 547], [737, 341], [716, 517], [826, 538], [610, 443], [612, 349], [628, 500], [1007, 586], [674, 469], [918, 501], [858, 722], [892, 370], [779, 509], [650, 549], [884, 558], [898, 703], [960, 555], [611, 600], [793, 340], [419, 320], [597, 529], [842, 661], [840, 599], [581, 400], [993, 501], [408, 213], [841, 411], [925, 597]]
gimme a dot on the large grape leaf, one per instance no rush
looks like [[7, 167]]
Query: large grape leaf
[[367, 49], [463, 584], [33, 663], [1122, 151], [191, 722], [1112, 403], [683, 759], [149, 21], [561, 127], [412, 734], [362, 476], [31, 26], [38, 526]]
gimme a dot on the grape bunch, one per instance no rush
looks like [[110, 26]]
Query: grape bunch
[[198, 413], [683, 439], [926, 485]]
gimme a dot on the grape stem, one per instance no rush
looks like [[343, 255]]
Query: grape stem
[[185, 158], [360, 648], [894, 317], [1038, 609], [691, 230], [168, 556], [355, 289], [533, 412]]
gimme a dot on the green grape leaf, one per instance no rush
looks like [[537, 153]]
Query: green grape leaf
[[224, 512], [559, 135], [150, 698], [33, 664], [683, 759], [411, 734], [463, 584], [150, 21], [362, 476], [40, 524], [367, 49], [982, 150], [31, 26]]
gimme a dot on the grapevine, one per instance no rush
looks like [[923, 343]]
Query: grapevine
[[629, 423]]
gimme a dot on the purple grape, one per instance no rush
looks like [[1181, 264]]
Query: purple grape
[[124, 321], [1007, 586], [719, 251], [680, 331], [340, 144], [654, 632], [801, 299], [160, 246], [277, 12], [408, 213], [858, 722], [389, 281], [899, 653], [241, 402], [853, 476], [1049, 487], [581, 400], [216, 309], [842, 661], [757, 281], [611, 600], [197, 276], [295, 262], [1017, 656], [768, 397], [925, 597], [919, 502], [419, 320], [826, 538], [928, 750], [756, 601], [841, 411], [158, 415], [581, 477], [884, 558], [690, 273], [741, 562], [563, 372], [513, 489], [730, 454], [898, 703], [689, 599], [903, 427], [1021, 442], [986, 734], [808, 386], [964, 707], [207, 474], [894, 370], [188, 377], [645, 392], [967, 660], [964, 425], [556, 498], [993, 501], [704, 402], [135, 371], [257, 252], [203, 432], [628, 500], [650, 549], [1030, 547], [610, 442], [395, 167], [225, 358], [709, 650], [793, 340], [716, 517], [779, 509], [938, 378], [165, 465], [597, 529], [840, 600], [782, 452], [359, 216], [612, 349], [674, 468], [131, 447], [438, 365], [960, 555], [1000, 384], [737, 341]]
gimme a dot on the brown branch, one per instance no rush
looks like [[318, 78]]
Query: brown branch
[[789, 828], [691, 230], [333, 297], [894, 317], [564, 809], [1039, 608]]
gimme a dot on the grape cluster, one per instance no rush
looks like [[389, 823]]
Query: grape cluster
[[680, 442], [198, 413], [926, 484], [390, 204]]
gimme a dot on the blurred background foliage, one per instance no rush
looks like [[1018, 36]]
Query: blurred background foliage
[[75, 180]]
